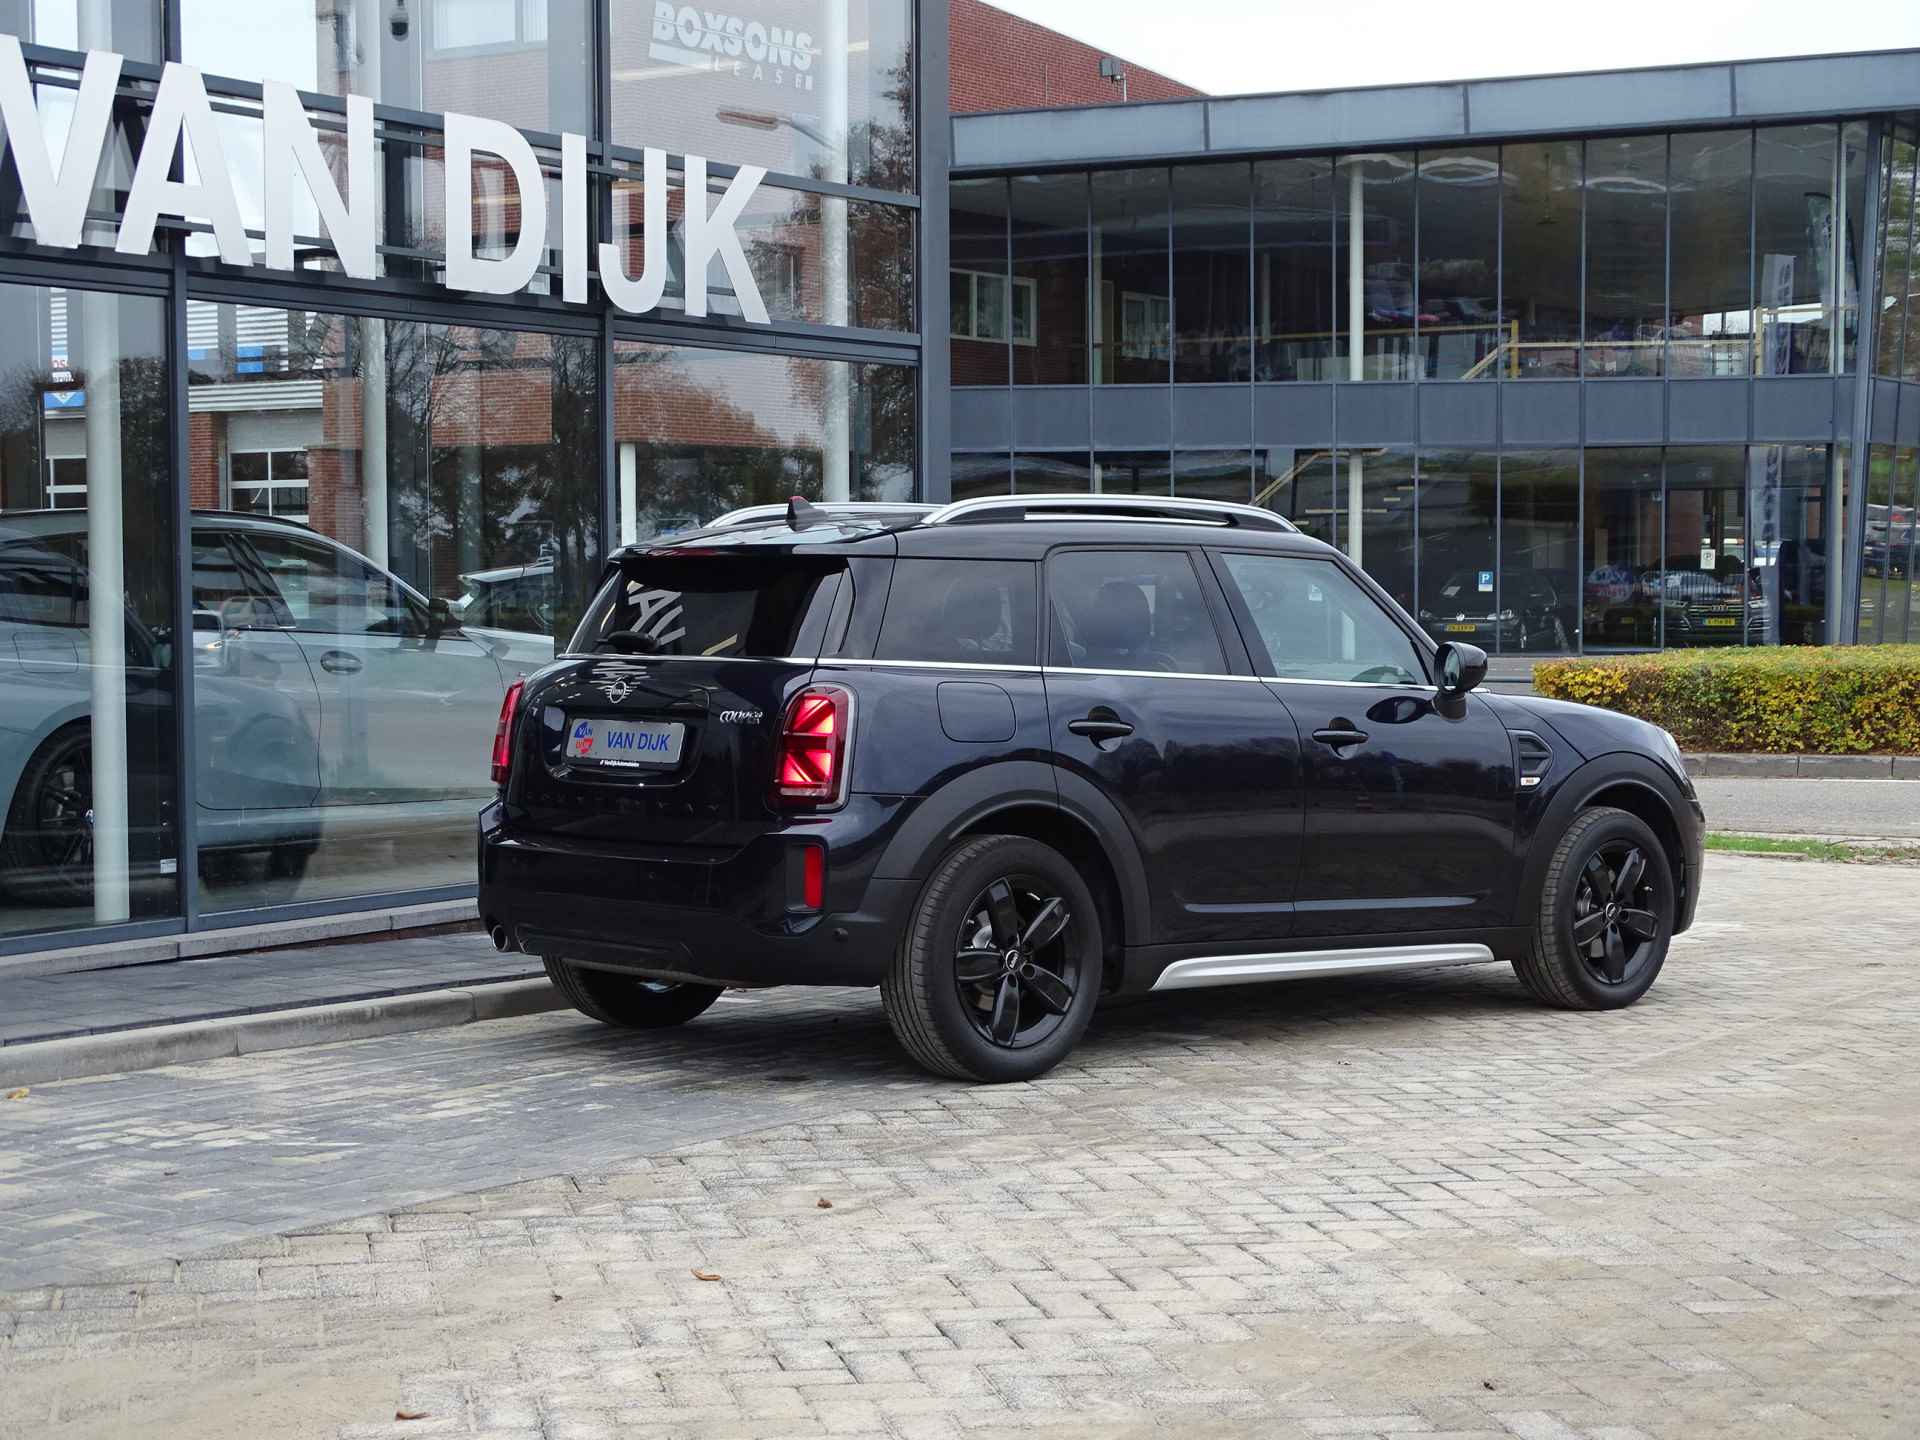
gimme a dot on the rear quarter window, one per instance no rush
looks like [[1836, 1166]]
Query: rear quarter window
[[721, 607], [968, 612]]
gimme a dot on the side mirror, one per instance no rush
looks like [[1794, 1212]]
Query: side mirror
[[1461, 668], [440, 617]]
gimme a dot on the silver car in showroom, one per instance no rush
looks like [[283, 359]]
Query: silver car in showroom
[[329, 697]]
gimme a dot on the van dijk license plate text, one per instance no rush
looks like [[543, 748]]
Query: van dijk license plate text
[[625, 742]]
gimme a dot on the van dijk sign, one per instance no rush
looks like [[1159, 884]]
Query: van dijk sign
[[56, 195]]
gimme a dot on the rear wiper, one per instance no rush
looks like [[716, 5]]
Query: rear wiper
[[631, 642]]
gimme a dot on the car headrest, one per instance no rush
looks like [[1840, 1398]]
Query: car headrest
[[1118, 619]]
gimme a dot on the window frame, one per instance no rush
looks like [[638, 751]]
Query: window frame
[[1424, 648], [1031, 658], [273, 485]]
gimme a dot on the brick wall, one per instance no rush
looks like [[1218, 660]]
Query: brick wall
[[1001, 62]]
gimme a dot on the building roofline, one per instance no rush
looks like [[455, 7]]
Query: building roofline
[[1692, 95]]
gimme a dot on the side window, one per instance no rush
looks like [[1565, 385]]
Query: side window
[[1315, 623], [1131, 610], [329, 592], [971, 612], [42, 584]]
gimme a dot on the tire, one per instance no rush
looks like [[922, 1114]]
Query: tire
[[1583, 879], [629, 1002], [46, 854], [966, 1004]]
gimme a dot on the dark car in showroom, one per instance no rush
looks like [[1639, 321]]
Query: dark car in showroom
[[1008, 756], [1525, 614]]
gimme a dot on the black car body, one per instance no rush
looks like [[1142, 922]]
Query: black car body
[[1246, 760]]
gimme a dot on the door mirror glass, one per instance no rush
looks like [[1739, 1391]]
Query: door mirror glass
[[1460, 667]]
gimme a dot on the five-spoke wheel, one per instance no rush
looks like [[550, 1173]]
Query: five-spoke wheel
[[1614, 923], [1606, 914], [997, 973]]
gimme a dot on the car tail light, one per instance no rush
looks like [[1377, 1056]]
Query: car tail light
[[503, 733], [813, 878], [810, 761]]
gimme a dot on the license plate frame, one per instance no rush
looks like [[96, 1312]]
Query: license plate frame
[[609, 744], [1454, 628]]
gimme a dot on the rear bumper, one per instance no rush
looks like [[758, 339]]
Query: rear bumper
[[722, 921]]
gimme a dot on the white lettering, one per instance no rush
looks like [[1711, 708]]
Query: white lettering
[[712, 233], [57, 204], [689, 27], [466, 136], [802, 51], [290, 143], [756, 41], [663, 19], [573, 219], [180, 111], [636, 297]]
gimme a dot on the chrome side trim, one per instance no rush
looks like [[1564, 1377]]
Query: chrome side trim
[[854, 660], [1352, 684], [1064, 670], [1210, 970]]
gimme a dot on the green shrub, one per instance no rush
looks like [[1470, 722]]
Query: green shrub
[[1837, 700]]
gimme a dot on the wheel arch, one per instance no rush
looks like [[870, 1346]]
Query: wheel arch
[[1623, 782]]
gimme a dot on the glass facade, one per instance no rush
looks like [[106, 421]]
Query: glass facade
[[275, 541]]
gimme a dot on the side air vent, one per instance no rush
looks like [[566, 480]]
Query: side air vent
[[1533, 756]]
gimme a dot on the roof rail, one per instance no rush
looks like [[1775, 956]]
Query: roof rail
[[754, 514], [1173, 510]]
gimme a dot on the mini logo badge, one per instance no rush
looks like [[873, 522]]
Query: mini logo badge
[[583, 738], [616, 689]]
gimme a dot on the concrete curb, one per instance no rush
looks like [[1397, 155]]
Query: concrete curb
[[1803, 767], [119, 1051]]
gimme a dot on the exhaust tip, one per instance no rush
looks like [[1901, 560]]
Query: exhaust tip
[[498, 934]]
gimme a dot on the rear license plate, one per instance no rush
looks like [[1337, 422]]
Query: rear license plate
[[1462, 629], [1723, 622], [626, 743]]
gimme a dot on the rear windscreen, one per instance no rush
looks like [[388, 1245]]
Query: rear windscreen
[[725, 607]]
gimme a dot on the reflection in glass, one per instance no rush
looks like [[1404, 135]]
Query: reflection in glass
[[1133, 311], [1459, 321], [1876, 557], [1213, 475], [1899, 340], [524, 63], [448, 482], [1626, 194], [1373, 233], [1625, 529], [1710, 592], [1540, 258], [1293, 269], [1211, 308], [1459, 493], [1786, 522], [980, 474], [1297, 483], [86, 612], [700, 432], [1050, 261], [1794, 181], [1375, 516], [129, 30], [820, 90], [1540, 549], [980, 305], [1132, 472], [1902, 623], [1049, 472], [1854, 255], [1711, 187]]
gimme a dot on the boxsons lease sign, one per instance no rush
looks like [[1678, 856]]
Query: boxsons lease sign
[[55, 190]]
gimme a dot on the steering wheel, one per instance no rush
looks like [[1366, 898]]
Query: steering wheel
[[1381, 675]]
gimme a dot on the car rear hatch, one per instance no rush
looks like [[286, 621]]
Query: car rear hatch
[[659, 727]]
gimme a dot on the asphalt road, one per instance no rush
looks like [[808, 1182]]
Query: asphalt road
[[1813, 807]]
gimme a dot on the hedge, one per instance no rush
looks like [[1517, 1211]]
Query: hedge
[[1837, 700]]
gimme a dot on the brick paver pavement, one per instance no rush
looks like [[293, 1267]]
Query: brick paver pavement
[[1404, 1206]]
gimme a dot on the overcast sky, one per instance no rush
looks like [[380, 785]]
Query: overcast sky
[[1237, 47]]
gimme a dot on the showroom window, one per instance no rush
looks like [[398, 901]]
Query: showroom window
[[1212, 309], [1373, 203], [817, 90], [1625, 533], [1796, 173], [87, 748], [1293, 269], [1540, 217], [977, 243], [1459, 321], [1626, 286], [700, 432], [1540, 550], [1457, 521], [1049, 243], [1710, 185], [343, 693], [1133, 305]]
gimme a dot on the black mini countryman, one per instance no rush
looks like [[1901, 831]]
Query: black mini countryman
[[1007, 756]]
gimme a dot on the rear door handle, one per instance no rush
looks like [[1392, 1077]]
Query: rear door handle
[[339, 662], [1101, 724], [1337, 737]]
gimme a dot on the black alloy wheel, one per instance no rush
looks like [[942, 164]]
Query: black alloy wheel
[[1015, 969], [1616, 926]]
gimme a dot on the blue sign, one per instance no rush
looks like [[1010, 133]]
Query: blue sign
[[1486, 582]]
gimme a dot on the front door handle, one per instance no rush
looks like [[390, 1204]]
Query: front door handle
[[339, 662], [1336, 736], [1101, 724]]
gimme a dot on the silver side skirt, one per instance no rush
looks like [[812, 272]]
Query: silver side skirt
[[1304, 964]]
